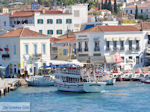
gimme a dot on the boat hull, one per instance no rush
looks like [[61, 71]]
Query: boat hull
[[111, 81]]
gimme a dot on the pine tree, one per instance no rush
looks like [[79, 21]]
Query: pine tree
[[115, 7], [110, 6], [102, 4], [136, 12], [106, 5]]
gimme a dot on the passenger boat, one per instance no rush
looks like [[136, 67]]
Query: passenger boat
[[43, 80], [143, 76], [78, 79], [147, 79], [117, 76]]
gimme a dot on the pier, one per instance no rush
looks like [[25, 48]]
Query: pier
[[10, 84]]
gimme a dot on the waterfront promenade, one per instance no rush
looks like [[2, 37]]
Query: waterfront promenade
[[10, 84]]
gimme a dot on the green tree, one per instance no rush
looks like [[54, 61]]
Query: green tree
[[106, 5], [115, 7], [110, 6], [136, 12], [102, 4]]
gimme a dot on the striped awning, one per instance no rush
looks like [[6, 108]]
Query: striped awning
[[131, 38], [109, 59], [108, 39], [115, 39], [122, 38], [137, 38]]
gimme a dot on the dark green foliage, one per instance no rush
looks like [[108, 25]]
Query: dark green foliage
[[136, 12]]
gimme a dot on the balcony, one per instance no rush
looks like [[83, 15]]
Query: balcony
[[107, 49], [82, 57], [96, 49], [37, 56], [79, 49], [137, 48], [5, 56], [122, 49], [85, 49], [115, 49]]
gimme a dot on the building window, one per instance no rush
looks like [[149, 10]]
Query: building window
[[86, 46], [26, 49], [59, 21], [50, 32], [141, 10], [14, 49], [79, 47], [44, 49], [130, 11], [121, 45], [130, 44], [65, 52], [97, 47], [35, 49], [107, 45], [4, 23], [40, 31], [40, 21], [122, 58], [126, 11], [59, 32], [49, 21], [148, 39], [115, 45], [137, 60], [68, 21], [137, 45], [130, 57]]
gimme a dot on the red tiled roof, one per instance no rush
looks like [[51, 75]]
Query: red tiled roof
[[22, 32], [146, 4], [31, 13], [112, 28], [145, 25], [70, 39], [54, 39]]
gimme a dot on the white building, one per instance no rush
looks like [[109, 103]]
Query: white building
[[100, 43], [23, 50], [143, 9], [51, 22]]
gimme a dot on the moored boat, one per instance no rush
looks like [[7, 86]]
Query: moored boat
[[44, 80], [135, 76], [78, 79]]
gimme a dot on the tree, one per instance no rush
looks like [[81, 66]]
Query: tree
[[109, 6], [115, 7], [106, 5], [136, 12], [102, 4]]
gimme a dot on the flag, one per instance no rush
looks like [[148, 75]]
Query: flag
[[22, 64], [6, 49], [1, 49]]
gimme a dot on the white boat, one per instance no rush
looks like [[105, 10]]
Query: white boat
[[147, 79], [45, 80], [111, 81], [75, 79], [135, 76], [127, 76]]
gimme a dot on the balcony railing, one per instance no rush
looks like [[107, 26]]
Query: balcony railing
[[5, 56], [79, 49], [122, 49], [96, 49], [107, 49], [37, 56], [115, 49], [85, 49], [137, 48]]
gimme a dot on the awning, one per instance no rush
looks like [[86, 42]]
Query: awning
[[122, 38], [108, 39], [131, 38], [137, 38], [109, 59], [117, 58], [115, 39]]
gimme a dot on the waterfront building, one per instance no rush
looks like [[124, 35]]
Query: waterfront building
[[50, 22], [100, 44], [63, 48], [24, 51], [143, 9]]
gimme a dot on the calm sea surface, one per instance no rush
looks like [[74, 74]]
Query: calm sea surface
[[122, 97]]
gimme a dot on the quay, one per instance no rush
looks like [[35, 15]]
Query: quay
[[10, 84]]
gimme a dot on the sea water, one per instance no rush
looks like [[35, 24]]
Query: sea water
[[121, 97]]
